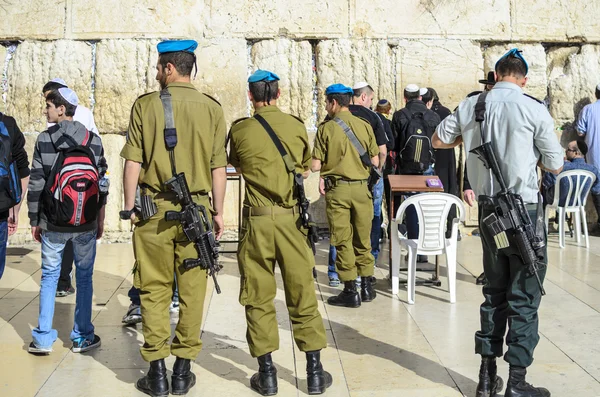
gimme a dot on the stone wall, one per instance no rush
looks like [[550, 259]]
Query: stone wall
[[106, 51]]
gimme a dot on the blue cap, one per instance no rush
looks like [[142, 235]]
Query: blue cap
[[176, 46], [338, 89], [515, 52], [262, 75], [69, 95]]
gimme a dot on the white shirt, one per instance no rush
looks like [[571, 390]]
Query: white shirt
[[85, 117], [521, 131]]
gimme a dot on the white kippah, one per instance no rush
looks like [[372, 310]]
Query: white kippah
[[59, 81], [69, 95], [598, 87], [360, 84], [411, 88], [422, 91]]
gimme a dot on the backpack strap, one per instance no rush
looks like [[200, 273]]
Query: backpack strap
[[170, 132], [289, 163], [364, 157]]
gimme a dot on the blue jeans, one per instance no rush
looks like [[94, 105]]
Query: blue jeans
[[331, 267], [412, 221], [84, 252], [3, 241], [376, 224]]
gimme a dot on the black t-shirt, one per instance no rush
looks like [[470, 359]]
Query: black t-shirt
[[373, 119], [18, 151]]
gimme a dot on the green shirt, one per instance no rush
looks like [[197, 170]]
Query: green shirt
[[268, 183], [339, 157], [201, 134]]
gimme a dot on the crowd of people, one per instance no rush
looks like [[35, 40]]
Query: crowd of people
[[179, 135]]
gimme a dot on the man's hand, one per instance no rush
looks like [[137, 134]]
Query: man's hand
[[322, 186], [13, 221], [36, 232], [218, 225], [469, 196], [100, 230]]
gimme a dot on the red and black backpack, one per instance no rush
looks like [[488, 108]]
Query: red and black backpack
[[72, 194]]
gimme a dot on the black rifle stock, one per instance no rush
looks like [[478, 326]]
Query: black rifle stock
[[511, 214], [305, 217], [197, 228]]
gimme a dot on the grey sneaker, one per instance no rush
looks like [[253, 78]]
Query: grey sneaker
[[34, 349], [334, 282], [133, 316], [65, 292], [81, 345]]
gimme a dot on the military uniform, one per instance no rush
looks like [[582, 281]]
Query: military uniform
[[160, 246], [270, 233], [349, 202], [522, 133]]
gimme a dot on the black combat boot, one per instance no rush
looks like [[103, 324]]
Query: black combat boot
[[348, 297], [317, 379], [489, 382], [183, 379], [367, 292], [264, 381], [518, 387], [155, 383]]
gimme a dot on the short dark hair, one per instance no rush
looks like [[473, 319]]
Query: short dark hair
[[183, 61], [428, 96], [434, 93], [52, 86], [597, 93], [342, 99], [582, 146], [411, 95], [511, 66], [366, 89], [57, 100], [264, 91]]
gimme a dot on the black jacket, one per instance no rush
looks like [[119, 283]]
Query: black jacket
[[18, 151], [400, 120], [374, 121]]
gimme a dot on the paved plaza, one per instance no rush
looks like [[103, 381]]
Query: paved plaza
[[384, 348]]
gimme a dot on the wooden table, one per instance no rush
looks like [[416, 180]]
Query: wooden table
[[409, 184]]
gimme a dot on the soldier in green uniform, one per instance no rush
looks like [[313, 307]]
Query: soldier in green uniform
[[348, 199], [160, 246], [271, 233]]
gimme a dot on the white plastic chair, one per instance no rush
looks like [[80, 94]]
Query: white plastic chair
[[574, 203], [432, 212]]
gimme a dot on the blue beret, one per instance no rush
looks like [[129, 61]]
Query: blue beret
[[338, 89], [262, 75], [516, 53], [176, 46]]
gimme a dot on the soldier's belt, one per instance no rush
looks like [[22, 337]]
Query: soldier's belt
[[351, 182], [269, 211]]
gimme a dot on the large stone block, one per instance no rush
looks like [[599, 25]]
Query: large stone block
[[573, 74], [348, 61], [292, 61], [487, 19], [557, 20], [3, 53], [113, 144], [125, 69], [32, 19], [535, 54], [223, 74], [268, 19], [147, 18], [451, 67], [33, 64]]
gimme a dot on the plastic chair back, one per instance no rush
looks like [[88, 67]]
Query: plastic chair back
[[575, 186]]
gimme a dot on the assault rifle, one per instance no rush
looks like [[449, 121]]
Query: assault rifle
[[305, 217], [510, 214], [196, 226]]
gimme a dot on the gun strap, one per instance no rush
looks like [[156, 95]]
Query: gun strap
[[170, 132], [480, 113], [289, 163], [354, 140]]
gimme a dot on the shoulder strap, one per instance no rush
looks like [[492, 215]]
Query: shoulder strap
[[170, 132], [350, 134], [480, 113], [289, 163]]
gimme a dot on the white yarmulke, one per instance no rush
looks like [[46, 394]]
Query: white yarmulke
[[59, 81], [422, 91], [69, 95], [411, 88], [359, 85]]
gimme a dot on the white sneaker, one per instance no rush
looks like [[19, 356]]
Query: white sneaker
[[174, 307]]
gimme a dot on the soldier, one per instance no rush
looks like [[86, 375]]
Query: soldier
[[521, 133], [270, 233], [349, 201], [161, 246]]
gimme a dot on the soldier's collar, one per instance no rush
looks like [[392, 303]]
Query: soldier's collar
[[266, 109], [184, 85]]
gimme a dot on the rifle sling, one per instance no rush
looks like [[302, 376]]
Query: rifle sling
[[289, 163], [354, 140], [170, 132]]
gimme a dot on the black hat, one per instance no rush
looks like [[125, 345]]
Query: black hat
[[491, 79]]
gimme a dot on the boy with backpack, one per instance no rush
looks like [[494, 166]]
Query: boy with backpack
[[14, 177], [66, 203], [414, 126]]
